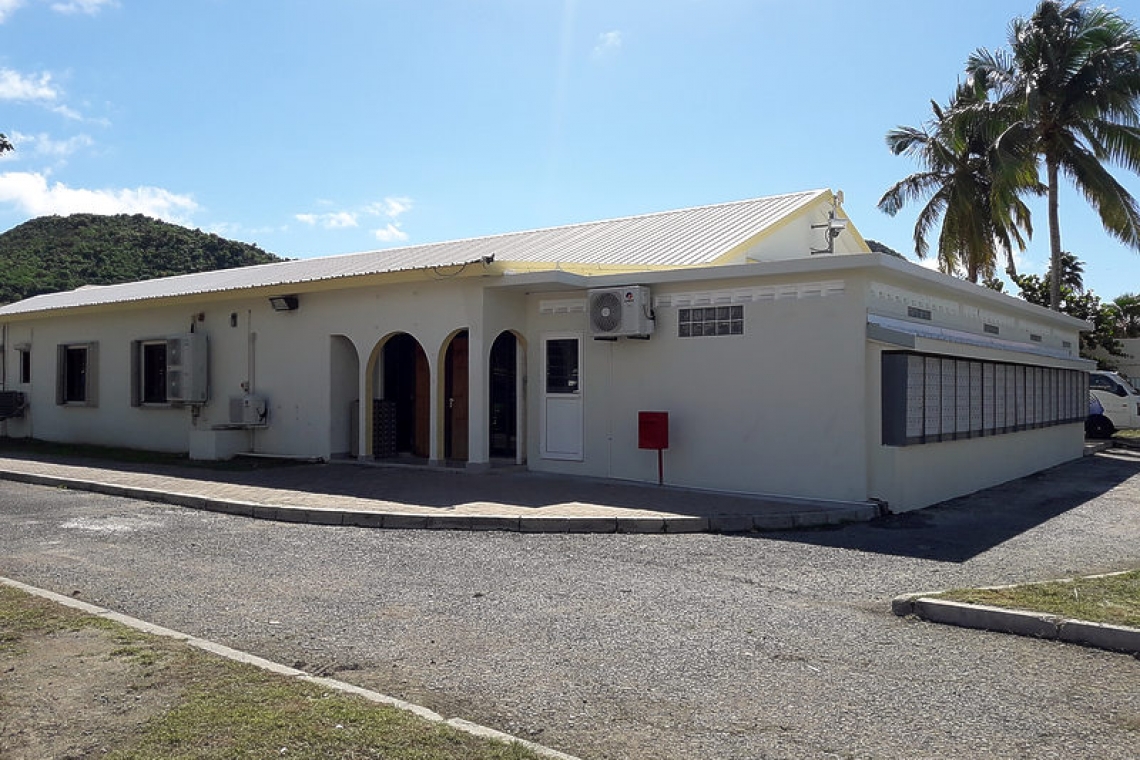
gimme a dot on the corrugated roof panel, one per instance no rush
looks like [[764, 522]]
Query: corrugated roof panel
[[686, 237]]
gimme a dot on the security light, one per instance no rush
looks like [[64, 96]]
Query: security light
[[283, 303]]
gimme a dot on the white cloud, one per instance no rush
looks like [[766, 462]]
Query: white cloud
[[90, 7], [7, 6], [334, 220], [44, 145], [607, 44], [17, 86], [390, 234], [31, 193], [390, 207]]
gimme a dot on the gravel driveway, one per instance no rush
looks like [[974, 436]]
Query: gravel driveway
[[644, 646]]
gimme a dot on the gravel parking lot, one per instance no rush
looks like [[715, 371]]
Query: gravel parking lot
[[644, 646]]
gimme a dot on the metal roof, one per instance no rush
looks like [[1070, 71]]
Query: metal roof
[[687, 237]]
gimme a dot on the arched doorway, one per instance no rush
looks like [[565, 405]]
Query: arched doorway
[[404, 424], [504, 387], [456, 411]]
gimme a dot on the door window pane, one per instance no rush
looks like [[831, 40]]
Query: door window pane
[[562, 366]]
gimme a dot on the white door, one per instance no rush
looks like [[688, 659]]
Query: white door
[[562, 397]]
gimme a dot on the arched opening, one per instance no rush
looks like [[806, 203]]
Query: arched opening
[[505, 390], [456, 410], [402, 420]]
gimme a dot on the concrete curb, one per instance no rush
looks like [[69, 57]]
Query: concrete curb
[[1116, 638], [235, 655], [817, 517]]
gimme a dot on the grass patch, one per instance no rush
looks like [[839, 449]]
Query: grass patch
[[1113, 599], [22, 615], [215, 708], [1128, 435]]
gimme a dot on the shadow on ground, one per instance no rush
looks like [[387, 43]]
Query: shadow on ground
[[962, 528], [440, 488]]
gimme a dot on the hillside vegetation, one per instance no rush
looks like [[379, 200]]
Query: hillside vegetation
[[54, 253]]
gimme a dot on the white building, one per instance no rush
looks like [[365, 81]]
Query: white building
[[790, 360]]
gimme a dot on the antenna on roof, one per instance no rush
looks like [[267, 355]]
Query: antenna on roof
[[835, 224]]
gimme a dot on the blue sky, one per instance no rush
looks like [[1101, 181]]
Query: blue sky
[[347, 125]]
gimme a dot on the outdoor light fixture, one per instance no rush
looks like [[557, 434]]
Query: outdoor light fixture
[[283, 303]]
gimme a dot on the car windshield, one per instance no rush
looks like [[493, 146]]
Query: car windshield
[[1128, 386]]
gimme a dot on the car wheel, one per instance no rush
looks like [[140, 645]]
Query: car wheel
[[1098, 426]]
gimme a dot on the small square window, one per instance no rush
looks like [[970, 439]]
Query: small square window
[[710, 320]]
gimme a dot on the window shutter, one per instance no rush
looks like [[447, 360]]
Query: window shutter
[[92, 374], [136, 364], [60, 374]]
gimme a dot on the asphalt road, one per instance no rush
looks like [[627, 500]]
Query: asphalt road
[[644, 646]]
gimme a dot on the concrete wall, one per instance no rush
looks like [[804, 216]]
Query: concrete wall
[[309, 364], [1129, 364], [911, 477], [777, 410]]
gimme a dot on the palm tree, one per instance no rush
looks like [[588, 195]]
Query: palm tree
[[1127, 313], [1072, 273], [1072, 77], [975, 194]]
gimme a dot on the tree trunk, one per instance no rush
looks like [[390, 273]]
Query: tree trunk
[[1054, 236]]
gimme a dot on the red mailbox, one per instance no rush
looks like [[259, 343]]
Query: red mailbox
[[653, 430], [653, 433]]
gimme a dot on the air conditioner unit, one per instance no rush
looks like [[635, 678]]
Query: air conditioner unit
[[618, 312], [249, 410], [11, 404], [186, 369]]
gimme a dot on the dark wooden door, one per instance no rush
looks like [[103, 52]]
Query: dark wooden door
[[456, 425]]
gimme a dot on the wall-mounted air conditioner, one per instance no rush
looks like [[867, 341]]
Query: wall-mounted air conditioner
[[249, 410], [620, 312], [187, 376], [12, 404]]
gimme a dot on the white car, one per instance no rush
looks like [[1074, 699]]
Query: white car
[[1120, 400]]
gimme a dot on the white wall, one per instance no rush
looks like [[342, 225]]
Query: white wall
[[911, 477], [114, 421], [777, 410], [290, 358]]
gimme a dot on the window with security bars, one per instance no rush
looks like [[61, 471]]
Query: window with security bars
[[710, 320]]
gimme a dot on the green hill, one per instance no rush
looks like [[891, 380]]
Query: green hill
[[54, 253]]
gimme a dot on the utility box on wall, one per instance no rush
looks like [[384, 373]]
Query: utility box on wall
[[653, 430]]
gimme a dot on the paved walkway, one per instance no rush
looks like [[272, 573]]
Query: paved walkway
[[419, 497]]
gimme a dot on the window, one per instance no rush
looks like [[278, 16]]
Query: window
[[149, 372], [25, 359], [77, 373], [916, 313], [562, 365], [710, 320]]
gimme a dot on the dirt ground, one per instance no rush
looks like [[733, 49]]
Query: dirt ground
[[73, 694]]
